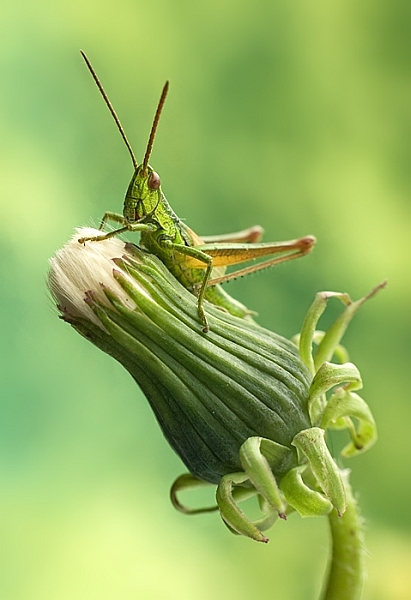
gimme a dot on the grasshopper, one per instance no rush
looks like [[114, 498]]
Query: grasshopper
[[198, 263]]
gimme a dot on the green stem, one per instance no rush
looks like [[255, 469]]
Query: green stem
[[346, 571]]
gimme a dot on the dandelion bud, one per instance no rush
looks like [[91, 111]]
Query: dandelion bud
[[237, 404]]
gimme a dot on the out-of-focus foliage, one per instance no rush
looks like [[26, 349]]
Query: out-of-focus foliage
[[295, 116]]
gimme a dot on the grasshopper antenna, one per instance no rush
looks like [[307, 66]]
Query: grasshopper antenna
[[111, 109], [154, 127]]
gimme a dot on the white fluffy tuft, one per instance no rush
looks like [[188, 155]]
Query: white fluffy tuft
[[79, 268]]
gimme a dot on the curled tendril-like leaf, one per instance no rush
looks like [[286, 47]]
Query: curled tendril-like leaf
[[328, 376], [257, 467], [306, 501], [334, 334], [312, 444], [343, 405], [188, 482], [231, 513]]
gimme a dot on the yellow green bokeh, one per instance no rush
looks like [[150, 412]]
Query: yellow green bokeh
[[295, 116]]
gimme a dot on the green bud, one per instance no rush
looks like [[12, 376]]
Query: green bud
[[237, 404], [210, 392]]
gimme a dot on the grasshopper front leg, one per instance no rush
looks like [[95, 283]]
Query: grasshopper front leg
[[117, 218], [111, 216], [108, 216]]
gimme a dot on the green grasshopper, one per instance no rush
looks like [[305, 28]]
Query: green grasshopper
[[198, 263]]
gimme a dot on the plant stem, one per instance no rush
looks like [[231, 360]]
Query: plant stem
[[346, 570]]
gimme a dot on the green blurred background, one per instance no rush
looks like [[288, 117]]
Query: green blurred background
[[295, 116]]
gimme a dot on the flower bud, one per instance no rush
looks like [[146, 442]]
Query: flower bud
[[209, 392], [237, 404]]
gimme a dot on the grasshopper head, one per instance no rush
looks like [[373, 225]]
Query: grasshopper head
[[143, 194]]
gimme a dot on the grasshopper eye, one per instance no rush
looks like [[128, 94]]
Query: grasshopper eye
[[154, 181]]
